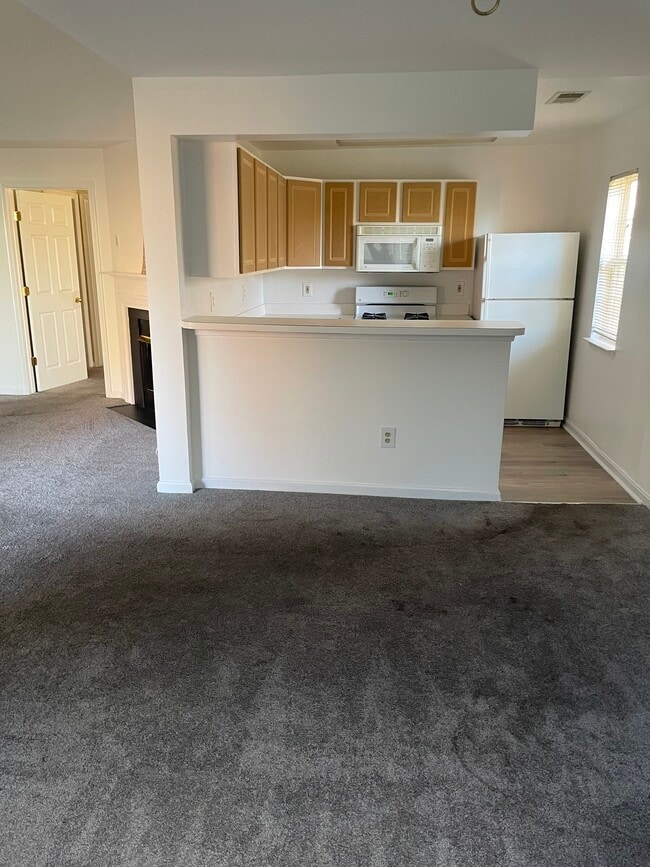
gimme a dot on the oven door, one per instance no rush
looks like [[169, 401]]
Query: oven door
[[388, 253]]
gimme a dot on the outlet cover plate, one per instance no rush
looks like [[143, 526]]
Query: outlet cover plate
[[388, 435]]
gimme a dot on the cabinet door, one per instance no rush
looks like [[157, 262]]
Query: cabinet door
[[282, 222], [246, 197], [458, 240], [303, 223], [272, 217], [339, 235], [421, 202], [261, 240], [377, 201]]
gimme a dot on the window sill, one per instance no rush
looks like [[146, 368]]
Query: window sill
[[601, 342]]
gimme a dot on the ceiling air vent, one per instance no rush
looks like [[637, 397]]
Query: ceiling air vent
[[567, 97]]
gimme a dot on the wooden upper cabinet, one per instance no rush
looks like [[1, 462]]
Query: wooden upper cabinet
[[272, 217], [246, 195], [303, 223], [421, 201], [339, 218], [377, 201], [458, 238], [280, 219], [282, 222], [261, 238]]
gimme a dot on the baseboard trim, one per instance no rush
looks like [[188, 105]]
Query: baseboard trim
[[611, 467], [12, 391], [340, 488], [175, 488]]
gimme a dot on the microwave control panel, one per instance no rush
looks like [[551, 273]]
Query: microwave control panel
[[430, 253]]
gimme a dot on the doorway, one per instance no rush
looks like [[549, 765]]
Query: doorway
[[57, 269]]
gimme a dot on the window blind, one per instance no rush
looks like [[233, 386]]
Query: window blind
[[617, 231]]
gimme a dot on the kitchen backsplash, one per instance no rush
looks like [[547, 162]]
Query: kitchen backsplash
[[206, 295], [337, 286], [230, 297]]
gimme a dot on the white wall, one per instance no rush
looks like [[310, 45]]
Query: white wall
[[54, 91], [521, 189], [336, 286], [609, 392], [123, 186], [42, 167], [204, 295]]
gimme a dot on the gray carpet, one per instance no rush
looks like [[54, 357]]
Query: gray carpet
[[296, 680]]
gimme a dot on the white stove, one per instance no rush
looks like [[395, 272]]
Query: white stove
[[409, 303]]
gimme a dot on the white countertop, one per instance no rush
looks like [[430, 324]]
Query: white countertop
[[347, 324]]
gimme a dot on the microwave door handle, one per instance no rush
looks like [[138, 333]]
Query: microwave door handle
[[416, 253]]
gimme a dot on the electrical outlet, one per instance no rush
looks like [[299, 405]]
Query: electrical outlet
[[212, 301], [243, 293], [307, 290], [388, 437], [460, 287]]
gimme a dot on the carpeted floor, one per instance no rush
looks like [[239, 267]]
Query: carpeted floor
[[271, 680]]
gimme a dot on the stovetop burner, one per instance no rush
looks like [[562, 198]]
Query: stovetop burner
[[397, 312], [398, 303]]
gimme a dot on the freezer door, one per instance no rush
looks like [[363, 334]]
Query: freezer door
[[538, 359], [531, 265]]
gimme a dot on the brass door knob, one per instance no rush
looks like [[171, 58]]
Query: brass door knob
[[77, 300]]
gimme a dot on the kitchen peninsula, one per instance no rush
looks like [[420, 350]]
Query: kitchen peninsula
[[344, 405]]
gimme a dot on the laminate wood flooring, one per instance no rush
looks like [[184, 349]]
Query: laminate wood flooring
[[546, 465]]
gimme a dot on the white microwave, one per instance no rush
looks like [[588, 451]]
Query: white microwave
[[399, 247]]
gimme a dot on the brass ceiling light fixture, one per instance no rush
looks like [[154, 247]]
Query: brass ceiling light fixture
[[485, 12]]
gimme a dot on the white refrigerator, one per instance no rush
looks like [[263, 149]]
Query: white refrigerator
[[530, 278]]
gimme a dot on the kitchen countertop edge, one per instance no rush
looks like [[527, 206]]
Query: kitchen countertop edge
[[358, 327]]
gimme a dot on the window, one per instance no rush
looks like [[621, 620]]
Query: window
[[619, 216]]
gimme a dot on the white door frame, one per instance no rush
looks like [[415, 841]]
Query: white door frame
[[7, 188]]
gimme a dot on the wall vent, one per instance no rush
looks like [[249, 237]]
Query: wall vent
[[567, 97], [532, 422]]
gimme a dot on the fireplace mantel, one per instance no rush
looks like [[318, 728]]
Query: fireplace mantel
[[127, 290]]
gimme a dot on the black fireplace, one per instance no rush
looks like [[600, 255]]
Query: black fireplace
[[140, 339], [141, 358], [143, 409]]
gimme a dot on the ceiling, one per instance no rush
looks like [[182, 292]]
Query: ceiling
[[579, 45], [608, 98], [292, 37]]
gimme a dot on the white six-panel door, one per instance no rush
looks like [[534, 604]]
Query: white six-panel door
[[54, 301]]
